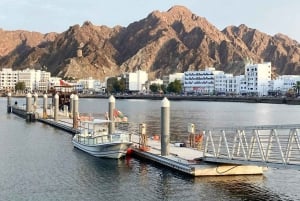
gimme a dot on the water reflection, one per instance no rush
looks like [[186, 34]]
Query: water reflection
[[38, 162], [238, 187], [171, 185]]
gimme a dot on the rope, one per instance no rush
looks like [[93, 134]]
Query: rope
[[226, 170]]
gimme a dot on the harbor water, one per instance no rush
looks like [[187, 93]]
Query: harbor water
[[38, 162]]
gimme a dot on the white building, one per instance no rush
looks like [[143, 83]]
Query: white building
[[99, 87], [257, 80], [156, 81], [35, 80], [42, 80], [91, 85], [28, 77], [136, 81], [241, 84], [225, 83], [284, 83], [8, 79], [167, 79], [88, 83], [176, 76], [200, 81], [258, 77]]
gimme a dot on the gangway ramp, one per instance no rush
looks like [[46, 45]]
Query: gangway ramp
[[270, 145]]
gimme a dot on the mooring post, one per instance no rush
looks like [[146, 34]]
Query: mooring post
[[29, 107], [56, 107], [9, 107], [35, 101], [45, 99], [191, 130], [71, 105], [28, 102], [143, 142], [75, 111], [165, 127], [111, 108]]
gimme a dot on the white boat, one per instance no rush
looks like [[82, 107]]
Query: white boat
[[95, 139]]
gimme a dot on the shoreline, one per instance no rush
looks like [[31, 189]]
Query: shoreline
[[243, 99], [272, 100]]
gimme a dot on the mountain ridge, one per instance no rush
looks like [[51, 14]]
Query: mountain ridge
[[176, 40]]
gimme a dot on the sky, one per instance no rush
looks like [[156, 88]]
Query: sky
[[268, 16]]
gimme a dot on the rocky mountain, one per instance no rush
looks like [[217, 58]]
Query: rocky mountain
[[164, 42]]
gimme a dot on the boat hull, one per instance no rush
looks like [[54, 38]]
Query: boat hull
[[106, 150]]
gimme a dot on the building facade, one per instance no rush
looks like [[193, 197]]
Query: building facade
[[8, 79], [258, 78], [284, 83], [256, 81], [136, 82], [201, 82], [35, 80]]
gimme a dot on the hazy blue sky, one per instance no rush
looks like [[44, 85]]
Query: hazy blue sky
[[269, 16]]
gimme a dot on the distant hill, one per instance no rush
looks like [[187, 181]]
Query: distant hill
[[162, 43]]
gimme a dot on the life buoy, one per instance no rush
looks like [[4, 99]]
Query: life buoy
[[117, 116]]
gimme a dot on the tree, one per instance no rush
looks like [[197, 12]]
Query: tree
[[154, 88], [115, 86], [110, 83], [175, 87], [119, 85], [20, 86]]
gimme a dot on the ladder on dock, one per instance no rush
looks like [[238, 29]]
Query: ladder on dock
[[273, 145]]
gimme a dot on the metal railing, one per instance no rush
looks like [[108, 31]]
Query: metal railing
[[272, 145], [93, 140]]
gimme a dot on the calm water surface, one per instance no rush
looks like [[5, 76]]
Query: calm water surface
[[38, 162]]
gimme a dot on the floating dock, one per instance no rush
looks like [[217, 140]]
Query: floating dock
[[188, 160], [184, 159]]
